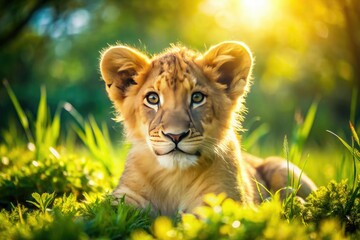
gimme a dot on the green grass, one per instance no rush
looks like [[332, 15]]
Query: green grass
[[55, 186]]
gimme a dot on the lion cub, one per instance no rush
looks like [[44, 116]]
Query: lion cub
[[180, 112]]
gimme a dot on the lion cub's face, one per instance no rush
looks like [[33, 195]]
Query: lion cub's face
[[179, 103], [176, 107]]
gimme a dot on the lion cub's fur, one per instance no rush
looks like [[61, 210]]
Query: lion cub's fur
[[180, 110]]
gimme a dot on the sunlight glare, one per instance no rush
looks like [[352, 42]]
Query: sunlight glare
[[256, 10], [230, 14]]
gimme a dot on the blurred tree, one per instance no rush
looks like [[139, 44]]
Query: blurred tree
[[351, 12], [15, 15]]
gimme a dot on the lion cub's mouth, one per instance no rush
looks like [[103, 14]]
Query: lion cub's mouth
[[178, 150]]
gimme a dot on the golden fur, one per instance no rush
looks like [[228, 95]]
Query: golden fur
[[180, 110]]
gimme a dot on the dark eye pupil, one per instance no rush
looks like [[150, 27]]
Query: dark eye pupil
[[153, 98]]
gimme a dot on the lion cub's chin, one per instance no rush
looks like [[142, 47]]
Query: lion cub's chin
[[177, 159]]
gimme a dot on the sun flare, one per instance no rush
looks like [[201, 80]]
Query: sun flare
[[232, 13], [256, 10]]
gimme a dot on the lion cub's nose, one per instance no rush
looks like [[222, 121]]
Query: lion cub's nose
[[176, 138]]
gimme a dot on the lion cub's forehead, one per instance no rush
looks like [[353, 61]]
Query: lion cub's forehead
[[174, 71]]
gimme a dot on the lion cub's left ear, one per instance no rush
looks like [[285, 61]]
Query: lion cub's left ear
[[232, 63], [119, 66]]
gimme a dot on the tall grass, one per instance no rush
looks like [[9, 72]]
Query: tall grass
[[354, 150], [354, 146], [96, 139], [294, 153], [301, 134], [43, 135], [43, 165]]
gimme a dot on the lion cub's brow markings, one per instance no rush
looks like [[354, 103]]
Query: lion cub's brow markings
[[174, 70]]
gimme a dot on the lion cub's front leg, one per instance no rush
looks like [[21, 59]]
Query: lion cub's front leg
[[131, 197], [132, 185]]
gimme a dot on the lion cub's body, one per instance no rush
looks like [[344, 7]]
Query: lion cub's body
[[179, 111]]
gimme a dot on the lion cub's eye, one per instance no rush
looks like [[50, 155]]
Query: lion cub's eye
[[197, 99], [152, 98]]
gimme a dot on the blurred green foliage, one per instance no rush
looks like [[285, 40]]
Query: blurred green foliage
[[42, 162], [304, 51], [336, 200]]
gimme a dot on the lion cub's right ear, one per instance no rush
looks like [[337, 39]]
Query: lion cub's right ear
[[119, 67], [232, 62]]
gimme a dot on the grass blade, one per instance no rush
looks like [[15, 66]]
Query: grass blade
[[75, 114], [309, 120], [255, 135], [302, 133], [353, 151], [286, 153], [55, 126], [20, 112], [40, 125], [354, 134], [41, 117]]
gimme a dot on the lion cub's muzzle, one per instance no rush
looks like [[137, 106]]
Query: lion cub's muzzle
[[186, 142], [176, 149]]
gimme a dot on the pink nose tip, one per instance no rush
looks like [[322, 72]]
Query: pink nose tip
[[176, 138]]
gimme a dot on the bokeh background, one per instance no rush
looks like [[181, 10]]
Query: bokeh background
[[306, 51]]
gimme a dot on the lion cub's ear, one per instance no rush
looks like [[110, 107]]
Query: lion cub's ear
[[119, 66], [232, 62]]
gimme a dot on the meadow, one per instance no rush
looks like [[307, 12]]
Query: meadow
[[56, 185], [61, 154]]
